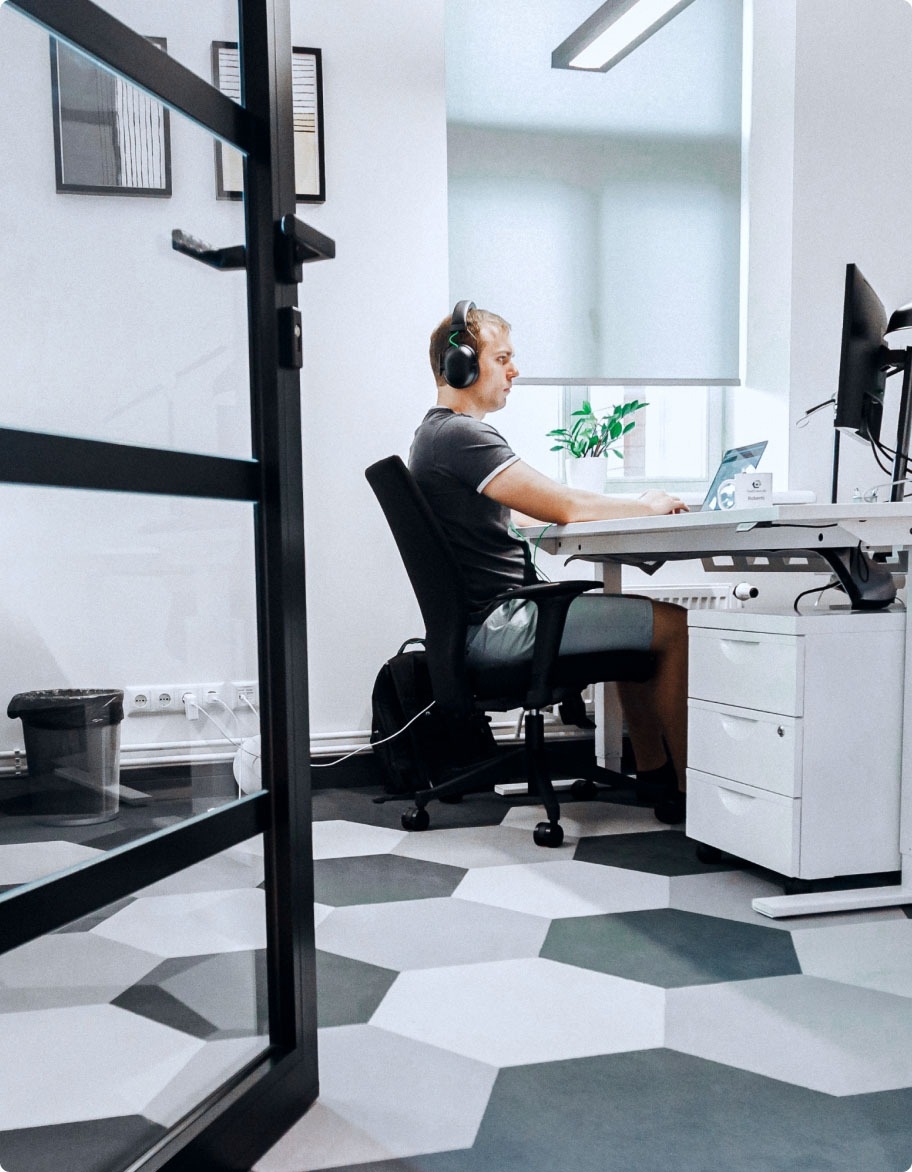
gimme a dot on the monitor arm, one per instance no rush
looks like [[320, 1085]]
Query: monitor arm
[[869, 584]]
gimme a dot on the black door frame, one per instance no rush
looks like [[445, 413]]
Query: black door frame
[[247, 1114]]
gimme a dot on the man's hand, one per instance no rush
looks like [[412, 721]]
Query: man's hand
[[661, 503]]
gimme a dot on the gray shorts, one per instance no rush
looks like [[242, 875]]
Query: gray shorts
[[595, 622]]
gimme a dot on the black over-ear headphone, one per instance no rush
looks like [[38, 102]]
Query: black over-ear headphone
[[460, 362]]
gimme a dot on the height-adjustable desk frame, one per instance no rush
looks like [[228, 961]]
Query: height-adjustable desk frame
[[779, 538]]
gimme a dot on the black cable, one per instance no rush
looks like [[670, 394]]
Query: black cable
[[814, 590]]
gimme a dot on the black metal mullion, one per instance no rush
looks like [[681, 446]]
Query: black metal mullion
[[61, 461], [48, 904], [266, 36], [92, 29]]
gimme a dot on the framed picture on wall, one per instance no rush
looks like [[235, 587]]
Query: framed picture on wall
[[307, 101], [110, 138]]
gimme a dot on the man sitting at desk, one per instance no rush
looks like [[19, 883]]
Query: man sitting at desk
[[473, 481]]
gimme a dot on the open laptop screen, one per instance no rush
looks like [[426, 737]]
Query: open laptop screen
[[721, 493]]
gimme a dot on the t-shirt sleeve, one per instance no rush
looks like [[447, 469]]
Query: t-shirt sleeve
[[473, 451]]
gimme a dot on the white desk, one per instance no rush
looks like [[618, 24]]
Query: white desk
[[789, 532]]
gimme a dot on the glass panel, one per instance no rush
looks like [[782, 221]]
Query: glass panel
[[599, 212], [141, 601], [110, 333], [190, 28], [115, 1027]]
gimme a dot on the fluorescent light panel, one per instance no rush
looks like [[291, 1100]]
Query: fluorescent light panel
[[613, 31]]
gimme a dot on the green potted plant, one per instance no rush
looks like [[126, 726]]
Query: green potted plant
[[592, 437]]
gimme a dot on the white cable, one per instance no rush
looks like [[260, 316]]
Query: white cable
[[870, 496], [364, 748], [227, 735], [251, 706]]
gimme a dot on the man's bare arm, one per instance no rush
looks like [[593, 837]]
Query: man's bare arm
[[538, 498]]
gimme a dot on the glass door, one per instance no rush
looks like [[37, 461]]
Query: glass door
[[157, 990]]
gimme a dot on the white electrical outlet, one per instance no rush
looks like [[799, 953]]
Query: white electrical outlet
[[138, 699], [243, 694]]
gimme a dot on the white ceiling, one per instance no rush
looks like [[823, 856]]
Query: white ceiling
[[685, 80]]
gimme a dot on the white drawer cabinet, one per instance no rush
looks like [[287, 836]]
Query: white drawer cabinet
[[795, 739]]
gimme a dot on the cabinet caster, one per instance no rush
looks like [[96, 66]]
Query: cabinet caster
[[548, 834], [584, 788], [794, 886], [416, 819], [708, 854]]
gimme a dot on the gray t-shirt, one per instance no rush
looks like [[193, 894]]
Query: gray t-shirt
[[453, 457]]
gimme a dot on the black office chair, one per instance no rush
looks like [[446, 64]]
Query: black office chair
[[462, 691]]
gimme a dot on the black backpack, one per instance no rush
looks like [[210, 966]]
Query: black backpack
[[433, 744]]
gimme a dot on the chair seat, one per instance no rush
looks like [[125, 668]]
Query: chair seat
[[499, 687]]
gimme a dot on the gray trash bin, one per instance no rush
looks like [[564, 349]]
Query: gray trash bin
[[72, 746]]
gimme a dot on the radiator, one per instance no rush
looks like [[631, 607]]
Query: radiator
[[714, 596]]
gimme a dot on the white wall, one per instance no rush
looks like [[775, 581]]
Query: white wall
[[368, 316], [107, 332]]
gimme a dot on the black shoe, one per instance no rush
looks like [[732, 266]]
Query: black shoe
[[671, 809]]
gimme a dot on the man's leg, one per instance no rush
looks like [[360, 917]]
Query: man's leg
[[655, 711]]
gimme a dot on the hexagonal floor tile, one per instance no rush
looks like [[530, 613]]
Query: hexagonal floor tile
[[380, 879], [363, 1114], [480, 846], [348, 991], [85, 1063], [580, 819], [428, 933], [661, 852], [26, 861], [671, 948], [564, 888], [830, 1037], [193, 924], [659, 1111], [877, 956], [71, 968], [206, 1071], [516, 1011], [338, 838]]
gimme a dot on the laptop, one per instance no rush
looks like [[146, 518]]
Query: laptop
[[721, 493]]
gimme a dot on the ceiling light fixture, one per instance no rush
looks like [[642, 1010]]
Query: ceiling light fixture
[[613, 31]]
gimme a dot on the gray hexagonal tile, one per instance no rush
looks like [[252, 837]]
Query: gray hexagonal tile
[[381, 879]]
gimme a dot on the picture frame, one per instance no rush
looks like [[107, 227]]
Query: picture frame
[[307, 98], [110, 137]]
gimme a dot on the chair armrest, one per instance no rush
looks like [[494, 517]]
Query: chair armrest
[[553, 600]]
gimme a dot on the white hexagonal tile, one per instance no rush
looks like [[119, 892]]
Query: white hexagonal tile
[[193, 924], [874, 955], [480, 846], [434, 1102], [202, 1076], [829, 1037], [564, 888], [23, 862], [582, 819], [90, 1062], [223, 872], [69, 968], [336, 839], [513, 1012], [427, 933]]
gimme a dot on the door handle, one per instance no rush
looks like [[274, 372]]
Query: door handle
[[234, 257]]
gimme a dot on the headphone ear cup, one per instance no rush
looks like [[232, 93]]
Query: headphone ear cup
[[460, 366]]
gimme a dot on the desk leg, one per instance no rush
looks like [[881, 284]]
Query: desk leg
[[608, 719], [862, 898]]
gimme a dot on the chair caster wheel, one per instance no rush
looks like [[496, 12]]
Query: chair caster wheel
[[584, 788], [795, 886], [416, 819], [708, 854], [548, 834]]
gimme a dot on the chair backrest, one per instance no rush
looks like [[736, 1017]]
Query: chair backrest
[[435, 577]]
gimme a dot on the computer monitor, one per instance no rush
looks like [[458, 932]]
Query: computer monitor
[[862, 373]]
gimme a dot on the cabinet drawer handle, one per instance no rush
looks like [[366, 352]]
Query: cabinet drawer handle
[[738, 727]]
